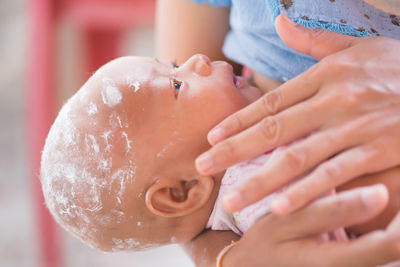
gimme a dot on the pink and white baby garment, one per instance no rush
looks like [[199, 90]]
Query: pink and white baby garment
[[239, 222]]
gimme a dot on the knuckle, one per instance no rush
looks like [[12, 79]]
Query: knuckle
[[270, 129], [373, 156], [299, 195], [353, 96], [331, 171], [226, 148], [340, 204], [325, 65], [256, 184], [271, 103], [332, 137], [333, 65], [326, 100], [237, 123], [317, 34], [295, 159], [251, 190], [374, 153]]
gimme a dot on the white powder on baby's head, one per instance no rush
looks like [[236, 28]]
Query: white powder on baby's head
[[91, 143], [77, 172], [106, 135], [83, 93], [175, 139], [132, 83], [128, 142], [125, 244], [116, 122], [165, 149], [110, 94], [92, 109]]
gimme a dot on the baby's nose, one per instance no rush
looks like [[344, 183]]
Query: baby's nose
[[200, 64]]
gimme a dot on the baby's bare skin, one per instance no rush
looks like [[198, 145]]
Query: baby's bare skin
[[118, 165]]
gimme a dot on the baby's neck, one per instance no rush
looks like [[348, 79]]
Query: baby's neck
[[196, 222]]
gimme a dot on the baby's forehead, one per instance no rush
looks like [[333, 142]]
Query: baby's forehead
[[127, 77], [128, 69]]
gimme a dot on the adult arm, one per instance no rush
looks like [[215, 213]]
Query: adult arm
[[285, 240], [184, 28], [204, 249], [346, 108]]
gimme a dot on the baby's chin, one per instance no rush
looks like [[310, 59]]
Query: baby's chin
[[250, 93]]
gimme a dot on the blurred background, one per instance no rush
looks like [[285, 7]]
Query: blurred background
[[48, 48]]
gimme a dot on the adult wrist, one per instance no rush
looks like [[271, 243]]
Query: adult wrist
[[232, 257]]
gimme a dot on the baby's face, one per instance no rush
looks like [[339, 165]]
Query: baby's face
[[136, 122], [177, 106]]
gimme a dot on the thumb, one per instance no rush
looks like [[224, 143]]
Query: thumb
[[317, 43]]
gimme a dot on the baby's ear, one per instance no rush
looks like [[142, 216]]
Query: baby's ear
[[173, 198]]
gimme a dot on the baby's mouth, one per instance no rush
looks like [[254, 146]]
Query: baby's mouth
[[238, 81]]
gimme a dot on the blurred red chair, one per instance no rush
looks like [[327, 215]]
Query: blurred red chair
[[103, 23]]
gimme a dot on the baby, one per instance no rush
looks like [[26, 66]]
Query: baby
[[117, 168], [118, 165]]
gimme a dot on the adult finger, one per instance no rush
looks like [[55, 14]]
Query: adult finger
[[336, 171], [373, 249], [269, 133], [367, 251], [328, 175], [287, 165], [294, 91], [317, 43], [344, 209]]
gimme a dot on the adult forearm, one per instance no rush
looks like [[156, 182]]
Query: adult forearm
[[184, 28], [204, 249]]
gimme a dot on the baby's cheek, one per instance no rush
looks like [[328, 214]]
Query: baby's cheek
[[121, 142]]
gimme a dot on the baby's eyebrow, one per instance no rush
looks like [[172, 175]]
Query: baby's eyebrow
[[164, 62]]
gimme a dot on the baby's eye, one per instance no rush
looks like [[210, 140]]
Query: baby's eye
[[174, 65], [177, 85]]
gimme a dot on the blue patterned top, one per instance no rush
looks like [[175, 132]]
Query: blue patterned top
[[254, 42]]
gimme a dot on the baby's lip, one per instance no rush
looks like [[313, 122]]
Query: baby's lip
[[234, 79], [239, 81]]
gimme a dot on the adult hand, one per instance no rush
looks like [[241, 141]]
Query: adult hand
[[292, 240], [347, 106]]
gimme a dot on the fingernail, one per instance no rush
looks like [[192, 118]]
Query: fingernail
[[232, 201], [204, 162], [287, 19], [216, 135], [373, 195], [280, 204]]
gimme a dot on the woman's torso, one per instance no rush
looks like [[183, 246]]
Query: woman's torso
[[253, 41]]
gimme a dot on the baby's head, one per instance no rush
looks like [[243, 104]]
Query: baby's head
[[118, 165]]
